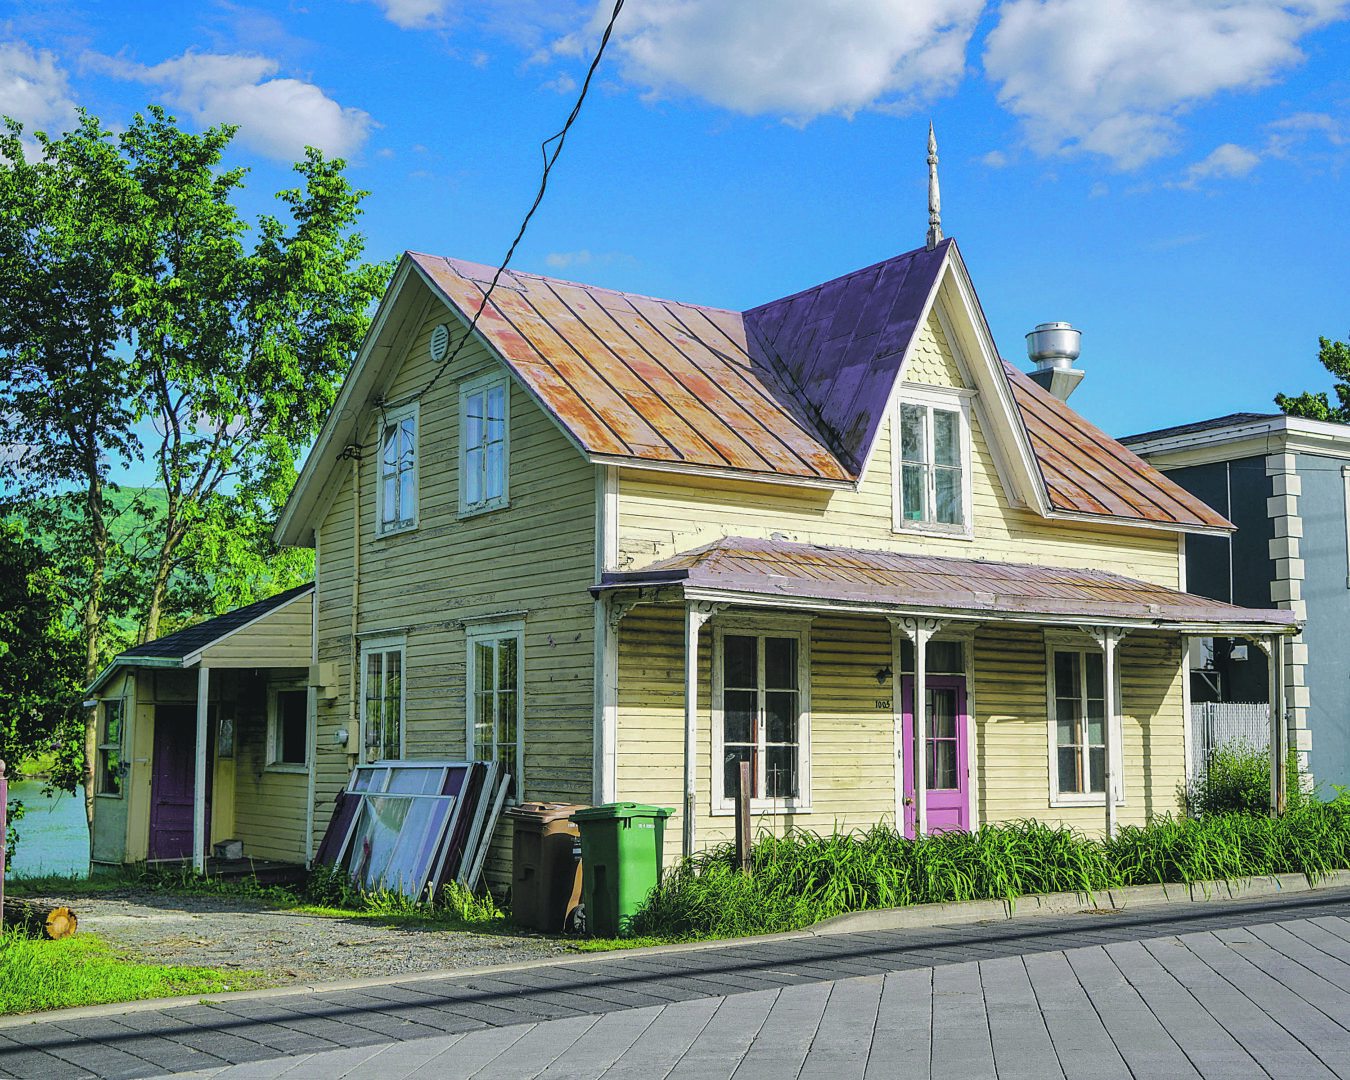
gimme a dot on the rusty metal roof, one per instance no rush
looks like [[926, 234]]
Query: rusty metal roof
[[794, 389], [1088, 472], [935, 584]]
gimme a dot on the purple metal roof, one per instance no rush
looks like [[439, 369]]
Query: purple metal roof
[[936, 583]]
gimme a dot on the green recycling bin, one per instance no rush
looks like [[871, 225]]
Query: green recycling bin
[[621, 847]]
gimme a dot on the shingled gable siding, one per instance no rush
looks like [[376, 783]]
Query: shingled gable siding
[[1011, 732], [536, 556], [663, 514]]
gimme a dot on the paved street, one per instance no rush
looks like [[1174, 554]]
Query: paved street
[[1241, 989]]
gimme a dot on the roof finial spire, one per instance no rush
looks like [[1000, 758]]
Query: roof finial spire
[[934, 199]]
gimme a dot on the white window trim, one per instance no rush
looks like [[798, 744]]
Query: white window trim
[[385, 645], [950, 399], [473, 386], [1069, 641], [724, 804], [385, 419], [274, 764], [494, 631]]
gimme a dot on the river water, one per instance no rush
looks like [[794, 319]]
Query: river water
[[53, 836]]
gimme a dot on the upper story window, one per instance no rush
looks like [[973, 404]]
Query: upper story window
[[495, 696], [484, 442], [932, 463], [398, 469]]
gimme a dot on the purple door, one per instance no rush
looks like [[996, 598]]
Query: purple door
[[947, 767], [171, 782]]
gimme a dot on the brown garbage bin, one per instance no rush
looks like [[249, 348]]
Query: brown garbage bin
[[545, 864]]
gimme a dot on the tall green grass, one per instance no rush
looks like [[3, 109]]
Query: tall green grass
[[802, 878]]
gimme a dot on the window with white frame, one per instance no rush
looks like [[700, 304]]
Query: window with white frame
[[382, 700], [484, 444], [1076, 693], [932, 462], [287, 726], [398, 469], [111, 766], [761, 715], [495, 699]]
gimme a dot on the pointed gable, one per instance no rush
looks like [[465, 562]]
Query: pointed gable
[[840, 345]]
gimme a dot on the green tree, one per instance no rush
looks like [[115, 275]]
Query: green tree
[[141, 319], [1335, 357]]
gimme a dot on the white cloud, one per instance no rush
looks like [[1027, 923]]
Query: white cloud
[[277, 117], [795, 58], [34, 90], [1112, 76], [1228, 161], [995, 159], [560, 260], [562, 84], [413, 14]]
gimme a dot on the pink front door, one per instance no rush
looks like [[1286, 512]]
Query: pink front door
[[946, 757]]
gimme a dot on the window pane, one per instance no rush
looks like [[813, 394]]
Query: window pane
[[780, 717], [738, 716], [1066, 674], [944, 657], [408, 433], [1097, 761], [484, 666], [374, 703], [506, 721], [496, 412], [1068, 769], [942, 714], [942, 765], [780, 772], [1094, 724], [112, 722], [1066, 724], [109, 772], [473, 421], [484, 725], [390, 451], [389, 499], [731, 770], [780, 663], [1094, 674], [506, 664], [406, 495], [946, 438], [291, 726], [948, 496], [494, 471], [912, 501], [393, 694], [741, 664], [912, 440], [473, 476], [907, 656]]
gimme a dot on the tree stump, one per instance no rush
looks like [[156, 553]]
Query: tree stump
[[42, 920]]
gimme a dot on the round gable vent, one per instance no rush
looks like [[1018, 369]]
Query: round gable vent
[[440, 338]]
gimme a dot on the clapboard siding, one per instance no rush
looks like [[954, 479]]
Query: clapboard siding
[[535, 557], [661, 515], [281, 638]]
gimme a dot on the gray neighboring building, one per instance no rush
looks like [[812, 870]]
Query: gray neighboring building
[[1285, 483]]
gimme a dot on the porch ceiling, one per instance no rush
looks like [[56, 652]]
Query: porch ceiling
[[807, 575]]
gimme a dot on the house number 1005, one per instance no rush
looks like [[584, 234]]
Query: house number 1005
[[883, 703]]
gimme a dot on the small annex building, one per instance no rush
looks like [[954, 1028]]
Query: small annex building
[[237, 688], [624, 544]]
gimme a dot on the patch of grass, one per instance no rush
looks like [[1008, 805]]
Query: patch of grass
[[609, 944], [82, 970], [64, 885]]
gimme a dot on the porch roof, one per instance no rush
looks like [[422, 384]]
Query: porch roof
[[784, 574]]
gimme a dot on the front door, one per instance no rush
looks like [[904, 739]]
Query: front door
[[946, 758], [172, 776]]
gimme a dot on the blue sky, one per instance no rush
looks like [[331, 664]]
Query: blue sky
[[1164, 174]]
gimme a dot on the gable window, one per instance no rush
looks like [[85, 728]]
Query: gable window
[[381, 700], [495, 698], [398, 470], [287, 726], [932, 463], [111, 768], [761, 715], [484, 440], [1077, 701]]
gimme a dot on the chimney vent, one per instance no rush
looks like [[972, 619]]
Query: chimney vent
[[1054, 346]]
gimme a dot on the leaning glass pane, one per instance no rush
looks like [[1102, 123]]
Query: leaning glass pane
[[780, 663], [780, 716], [740, 661], [946, 438], [780, 772], [912, 440], [913, 479], [1097, 763], [948, 496], [738, 716], [1070, 778]]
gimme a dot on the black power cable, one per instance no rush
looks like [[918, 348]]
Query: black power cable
[[556, 141]]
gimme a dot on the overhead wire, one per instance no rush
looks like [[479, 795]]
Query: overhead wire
[[556, 140]]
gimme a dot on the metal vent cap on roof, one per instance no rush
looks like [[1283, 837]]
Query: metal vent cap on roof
[[1054, 346]]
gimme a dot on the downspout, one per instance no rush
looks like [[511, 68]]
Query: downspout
[[353, 734]]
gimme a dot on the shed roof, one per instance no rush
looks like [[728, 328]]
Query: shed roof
[[784, 572]]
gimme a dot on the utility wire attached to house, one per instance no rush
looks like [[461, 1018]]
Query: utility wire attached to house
[[550, 159]]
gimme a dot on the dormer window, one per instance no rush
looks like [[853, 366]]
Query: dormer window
[[485, 438], [932, 462], [398, 470]]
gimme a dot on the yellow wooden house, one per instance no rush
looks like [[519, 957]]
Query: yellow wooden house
[[625, 544]]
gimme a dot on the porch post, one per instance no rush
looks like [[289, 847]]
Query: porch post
[[1279, 797], [696, 613], [919, 631], [199, 776], [1108, 637]]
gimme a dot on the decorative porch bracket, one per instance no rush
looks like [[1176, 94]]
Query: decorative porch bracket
[[919, 631], [199, 772], [696, 613], [1273, 647], [1107, 638]]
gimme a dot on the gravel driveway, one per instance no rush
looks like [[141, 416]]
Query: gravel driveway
[[222, 932]]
